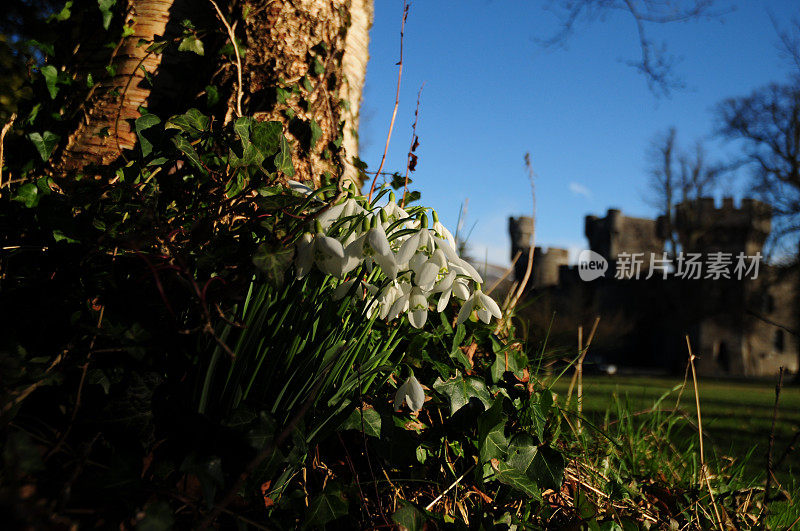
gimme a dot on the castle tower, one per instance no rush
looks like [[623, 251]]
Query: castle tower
[[616, 233], [704, 228]]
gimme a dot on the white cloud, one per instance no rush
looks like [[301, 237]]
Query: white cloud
[[579, 189]]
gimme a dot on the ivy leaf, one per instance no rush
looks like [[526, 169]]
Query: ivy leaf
[[516, 363], [45, 143], [273, 262], [142, 124], [372, 421], [191, 44], [192, 122], [541, 464], [409, 517], [62, 15], [460, 390], [105, 8], [188, 149], [28, 194], [212, 95], [514, 477], [267, 137], [283, 160], [50, 78], [492, 441], [157, 46], [325, 508], [316, 133], [548, 468]]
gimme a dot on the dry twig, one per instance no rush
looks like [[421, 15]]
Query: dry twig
[[396, 101]]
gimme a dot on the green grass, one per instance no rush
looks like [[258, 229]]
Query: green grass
[[737, 416]]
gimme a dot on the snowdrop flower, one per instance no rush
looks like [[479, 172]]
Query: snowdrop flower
[[392, 210], [483, 304], [350, 207], [442, 231], [361, 292], [411, 393], [417, 308], [316, 248], [297, 186]]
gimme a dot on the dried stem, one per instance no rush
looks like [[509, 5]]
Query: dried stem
[[703, 469], [238, 58], [396, 101], [3, 132], [778, 387], [414, 145]]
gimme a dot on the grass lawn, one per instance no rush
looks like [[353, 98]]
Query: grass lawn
[[737, 416]]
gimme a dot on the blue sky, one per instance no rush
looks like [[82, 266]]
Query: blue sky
[[493, 93]]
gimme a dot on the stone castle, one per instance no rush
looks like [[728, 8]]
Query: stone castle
[[736, 326]]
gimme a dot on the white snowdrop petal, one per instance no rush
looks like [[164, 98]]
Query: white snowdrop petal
[[443, 300], [471, 271], [466, 309], [415, 396], [377, 240], [330, 246], [427, 275], [446, 283], [490, 304], [484, 315], [416, 262], [400, 396], [327, 218], [342, 289], [408, 248], [417, 318], [460, 289]]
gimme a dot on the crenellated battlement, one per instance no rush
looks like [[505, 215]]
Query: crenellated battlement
[[703, 226]]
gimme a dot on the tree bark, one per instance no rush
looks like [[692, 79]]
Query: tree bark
[[304, 66]]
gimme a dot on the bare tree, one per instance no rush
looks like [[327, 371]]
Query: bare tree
[[767, 122], [677, 175], [655, 63]]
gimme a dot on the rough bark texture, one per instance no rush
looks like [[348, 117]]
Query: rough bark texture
[[300, 47], [304, 66], [106, 126]]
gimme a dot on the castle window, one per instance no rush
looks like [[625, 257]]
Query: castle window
[[778, 341], [769, 304]]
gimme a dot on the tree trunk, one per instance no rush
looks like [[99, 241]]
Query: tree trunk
[[304, 66], [307, 71], [105, 127]]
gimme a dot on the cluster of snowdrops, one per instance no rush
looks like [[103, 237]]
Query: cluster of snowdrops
[[417, 265], [412, 266]]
